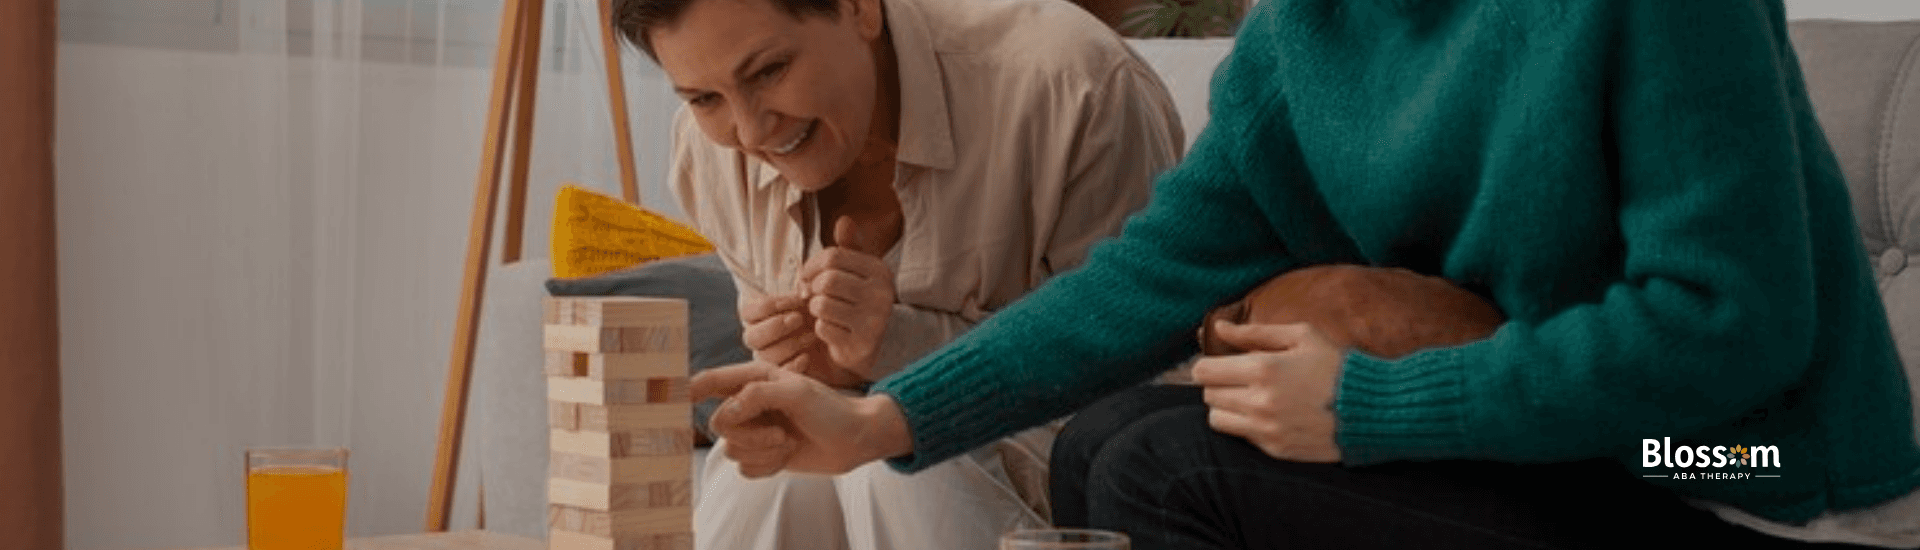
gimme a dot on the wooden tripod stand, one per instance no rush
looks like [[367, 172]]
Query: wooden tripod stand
[[516, 70]]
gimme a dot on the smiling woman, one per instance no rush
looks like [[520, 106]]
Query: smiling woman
[[879, 176]]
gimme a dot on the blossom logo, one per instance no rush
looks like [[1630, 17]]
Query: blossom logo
[[1656, 453]]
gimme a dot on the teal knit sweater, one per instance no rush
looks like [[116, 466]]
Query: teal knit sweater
[[1640, 185]]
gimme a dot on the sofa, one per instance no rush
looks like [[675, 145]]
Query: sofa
[[1864, 79]]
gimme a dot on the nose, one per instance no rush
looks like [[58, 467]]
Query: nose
[[751, 123]]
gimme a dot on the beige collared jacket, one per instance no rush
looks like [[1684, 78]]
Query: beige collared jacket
[[1028, 133]]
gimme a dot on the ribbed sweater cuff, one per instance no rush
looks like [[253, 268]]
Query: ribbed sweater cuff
[[1412, 408], [937, 415]]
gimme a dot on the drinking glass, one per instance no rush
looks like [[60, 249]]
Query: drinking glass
[[1063, 539], [296, 498]]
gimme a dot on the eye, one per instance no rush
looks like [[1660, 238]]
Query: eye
[[704, 100], [769, 72]]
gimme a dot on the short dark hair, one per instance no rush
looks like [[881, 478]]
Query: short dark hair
[[633, 18]]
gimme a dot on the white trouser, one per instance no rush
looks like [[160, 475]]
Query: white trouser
[[964, 503]]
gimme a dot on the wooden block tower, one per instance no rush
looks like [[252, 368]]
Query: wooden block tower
[[618, 409]]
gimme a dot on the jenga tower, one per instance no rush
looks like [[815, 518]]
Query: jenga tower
[[622, 440]]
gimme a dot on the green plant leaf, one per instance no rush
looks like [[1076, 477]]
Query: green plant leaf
[[1151, 20]]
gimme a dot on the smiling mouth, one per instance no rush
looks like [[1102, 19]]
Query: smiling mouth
[[797, 140]]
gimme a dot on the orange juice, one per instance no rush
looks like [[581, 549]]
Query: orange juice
[[296, 507]]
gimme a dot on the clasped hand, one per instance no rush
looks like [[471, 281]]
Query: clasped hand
[[1279, 394], [1276, 355], [830, 328]]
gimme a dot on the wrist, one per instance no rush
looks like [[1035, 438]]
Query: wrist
[[885, 434]]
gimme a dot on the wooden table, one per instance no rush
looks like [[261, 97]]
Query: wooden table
[[463, 540]]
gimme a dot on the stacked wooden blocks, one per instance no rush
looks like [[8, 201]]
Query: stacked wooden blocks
[[622, 441]]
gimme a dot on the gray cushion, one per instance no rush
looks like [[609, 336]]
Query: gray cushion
[[713, 323]]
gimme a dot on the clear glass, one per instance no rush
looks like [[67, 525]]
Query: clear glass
[[296, 498], [1063, 539]]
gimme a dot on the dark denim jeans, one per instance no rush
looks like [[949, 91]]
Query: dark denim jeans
[[1145, 462]]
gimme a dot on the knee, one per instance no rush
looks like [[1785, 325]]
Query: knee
[[1092, 427], [1153, 447]]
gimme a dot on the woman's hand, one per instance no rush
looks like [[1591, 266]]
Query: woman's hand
[[777, 328], [774, 419], [1279, 395], [850, 296], [780, 332]]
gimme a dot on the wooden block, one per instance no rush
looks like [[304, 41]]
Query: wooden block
[[561, 539], [634, 418], [649, 521], [635, 366], [620, 496], [642, 442], [581, 494], [633, 469], [668, 390], [557, 311], [620, 524], [566, 363], [677, 440], [618, 392], [629, 311], [562, 415], [594, 392], [663, 494], [667, 541], [592, 339], [651, 442], [639, 417], [579, 520]]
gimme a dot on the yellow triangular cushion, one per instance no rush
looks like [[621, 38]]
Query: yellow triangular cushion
[[595, 233]]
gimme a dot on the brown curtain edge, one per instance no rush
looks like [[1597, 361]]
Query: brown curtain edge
[[31, 490]]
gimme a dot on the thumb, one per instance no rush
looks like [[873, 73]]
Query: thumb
[[1256, 337], [774, 395], [848, 234]]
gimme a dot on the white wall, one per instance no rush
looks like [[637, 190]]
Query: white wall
[[1864, 10]]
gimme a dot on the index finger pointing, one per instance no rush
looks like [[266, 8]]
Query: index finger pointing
[[726, 381]]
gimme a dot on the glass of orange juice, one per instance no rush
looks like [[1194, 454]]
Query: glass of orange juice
[[296, 498]]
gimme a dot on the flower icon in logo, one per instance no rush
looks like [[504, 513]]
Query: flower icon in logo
[[1739, 454]]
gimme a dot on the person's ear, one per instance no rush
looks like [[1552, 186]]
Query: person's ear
[[867, 16]]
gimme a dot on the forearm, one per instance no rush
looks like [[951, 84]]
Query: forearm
[[885, 433], [911, 333], [1124, 316]]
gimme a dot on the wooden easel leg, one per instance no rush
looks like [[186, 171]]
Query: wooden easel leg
[[527, 73], [473, 283]]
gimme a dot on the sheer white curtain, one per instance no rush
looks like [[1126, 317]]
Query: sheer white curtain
[[379, 130], [263, 210]]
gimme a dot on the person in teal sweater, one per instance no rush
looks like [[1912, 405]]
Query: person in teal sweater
[[1639, 185]]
